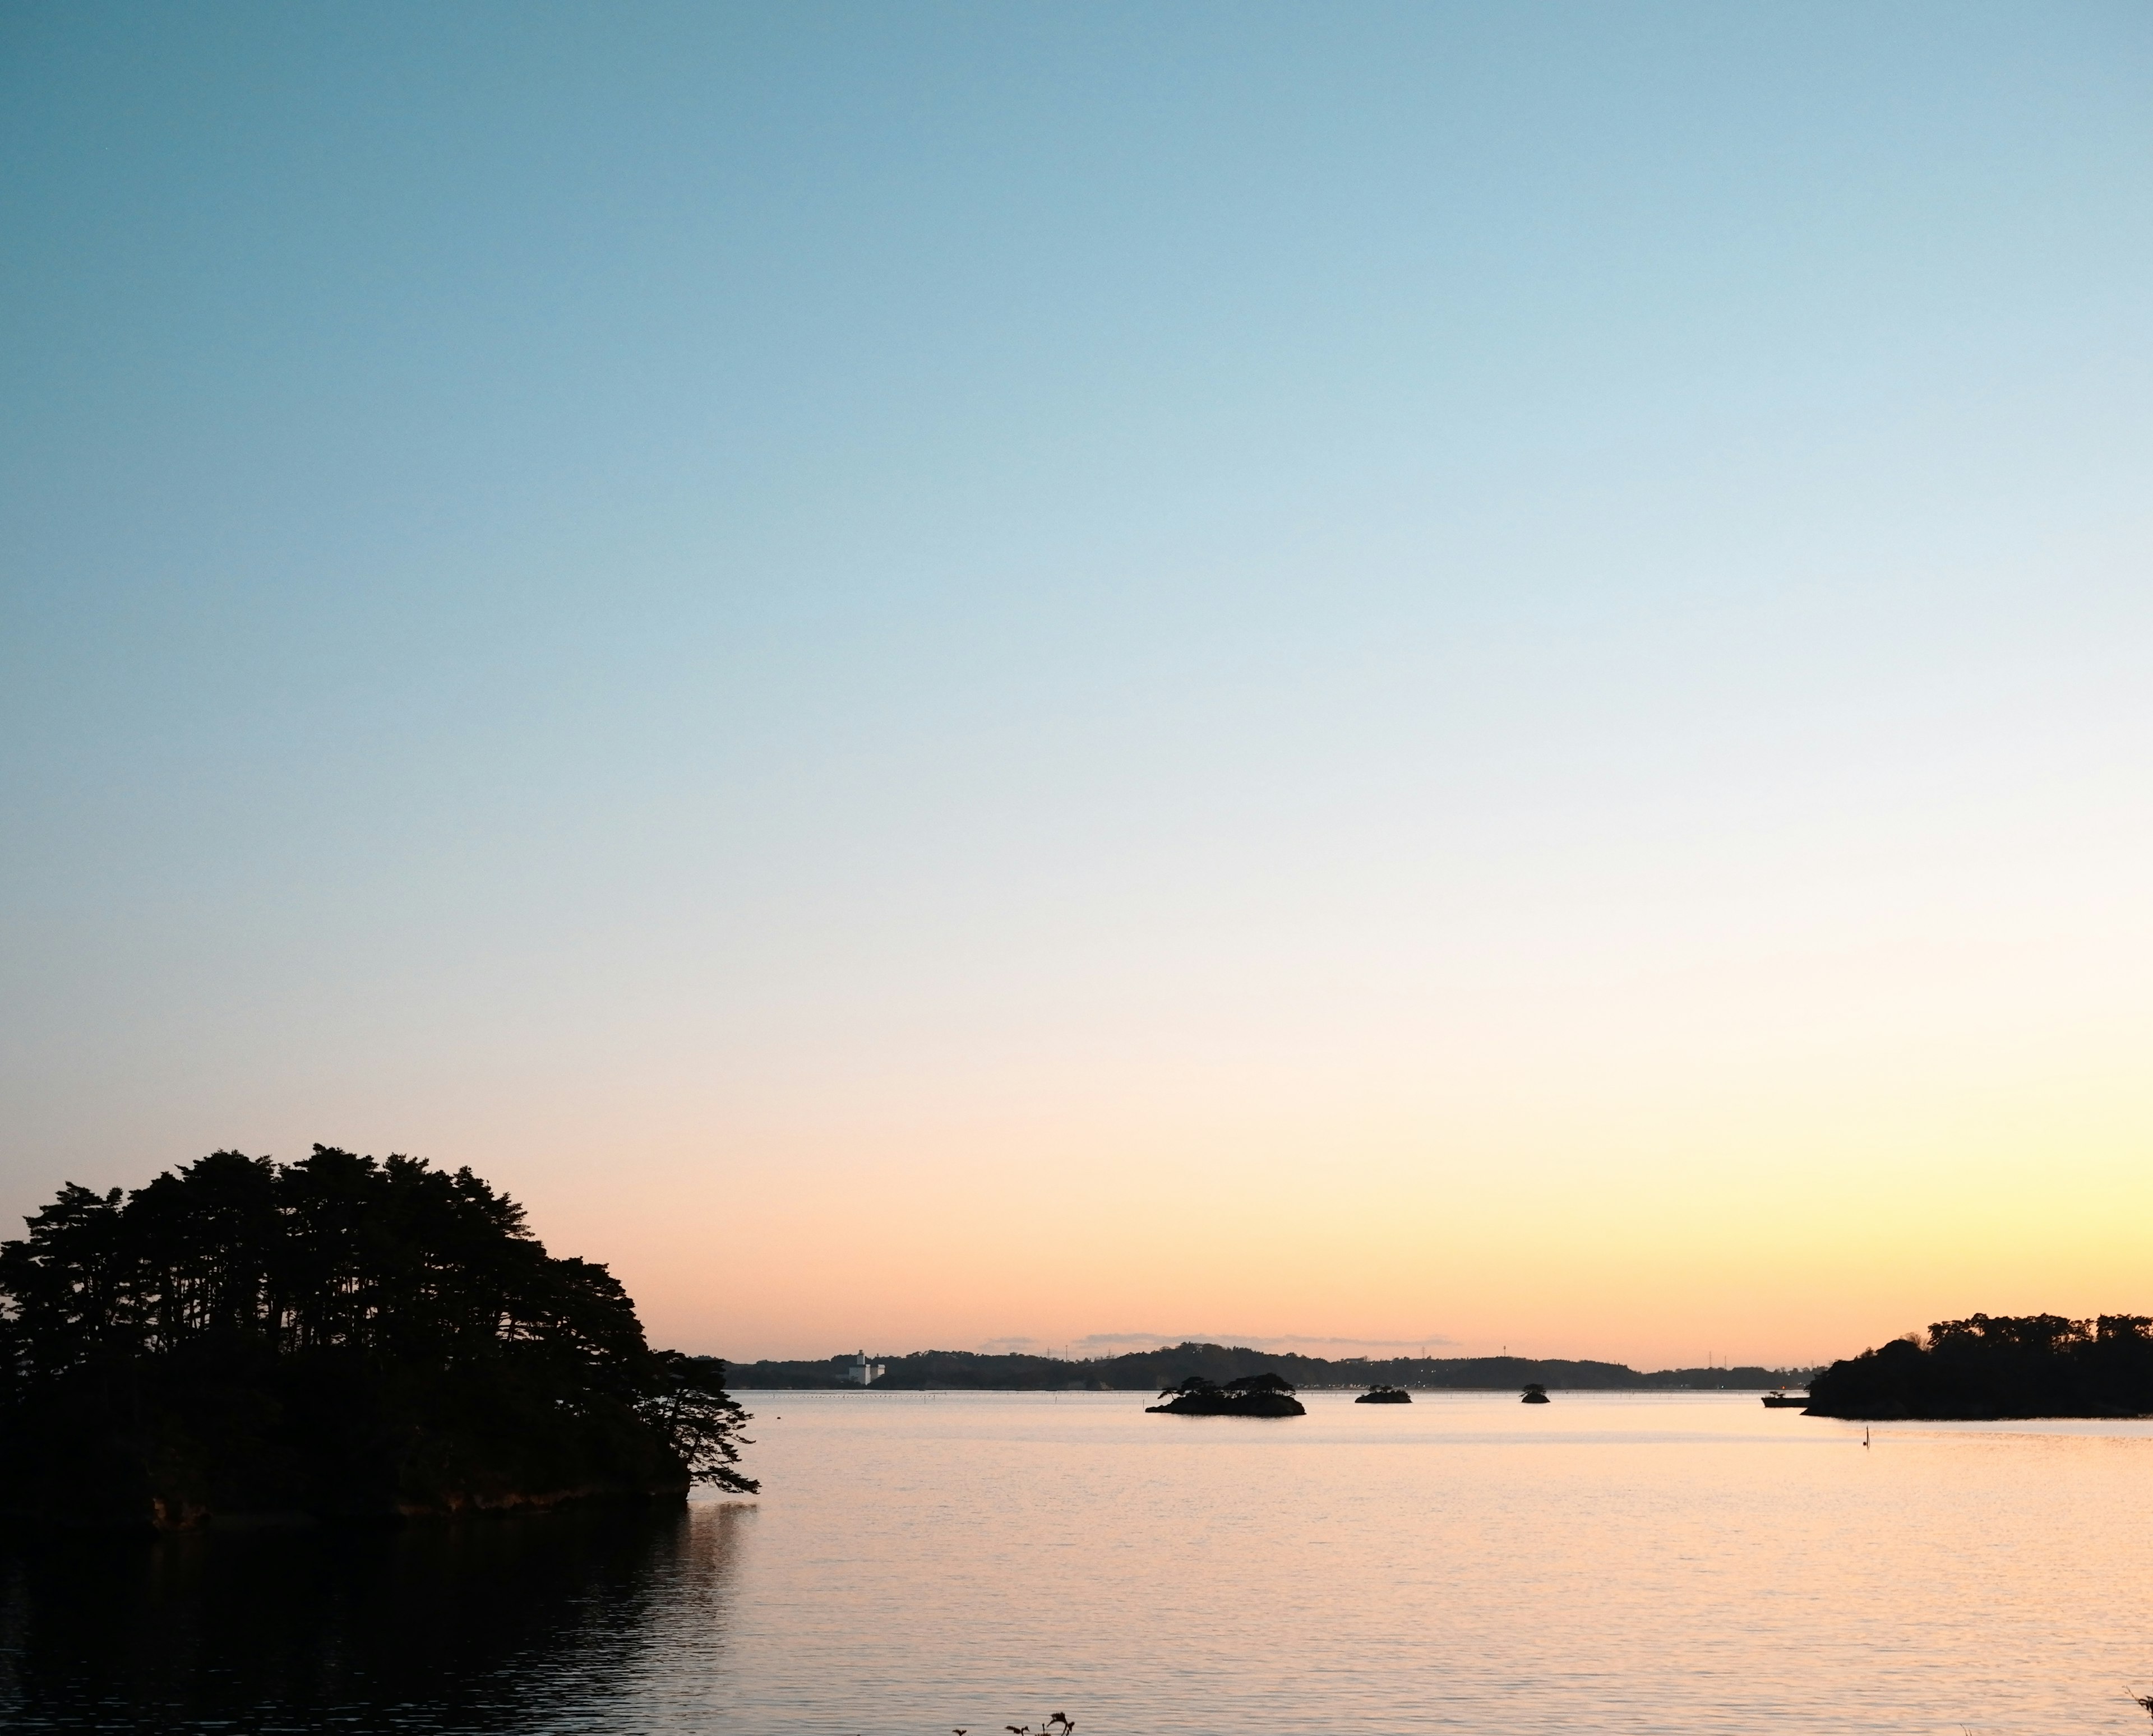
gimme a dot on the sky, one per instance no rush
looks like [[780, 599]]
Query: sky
[[1021, 676]]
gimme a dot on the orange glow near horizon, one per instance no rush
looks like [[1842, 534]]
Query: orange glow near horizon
[[1656, 1215]]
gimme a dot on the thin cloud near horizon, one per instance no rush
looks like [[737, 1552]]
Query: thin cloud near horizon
[[1118, 1342]]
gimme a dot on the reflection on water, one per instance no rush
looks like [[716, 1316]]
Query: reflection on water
[[917, 1563], [516, 1623]]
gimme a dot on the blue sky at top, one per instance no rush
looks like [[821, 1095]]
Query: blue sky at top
[[572, 568]]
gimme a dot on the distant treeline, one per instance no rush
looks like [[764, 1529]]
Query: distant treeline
[[1155, 1370], [2030, 1365]]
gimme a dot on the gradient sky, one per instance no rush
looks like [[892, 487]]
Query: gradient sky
[[1462, 675]]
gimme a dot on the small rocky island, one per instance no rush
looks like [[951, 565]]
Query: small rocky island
[[1253, 1395], [335, 1338], [1535, 1393], [1380, 1394]]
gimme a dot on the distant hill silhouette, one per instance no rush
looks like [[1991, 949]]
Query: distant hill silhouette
[[2029, 1365], [336, 1337], [1154, 1370]]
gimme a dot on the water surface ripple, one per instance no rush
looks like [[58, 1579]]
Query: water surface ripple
[[1619, 1562]]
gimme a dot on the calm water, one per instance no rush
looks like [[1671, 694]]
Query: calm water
[[919, 1562]]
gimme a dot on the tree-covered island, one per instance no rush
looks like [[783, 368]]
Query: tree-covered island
[[2002, 1365], [335, 1338], [1252, 1395]]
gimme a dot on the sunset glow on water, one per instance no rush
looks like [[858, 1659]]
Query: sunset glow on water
[[927, 1560], [1605, 1562]]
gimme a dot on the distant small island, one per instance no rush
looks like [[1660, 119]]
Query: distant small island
[[1253, 1395], [1990, 1367], [1382, 1394], [336, 1338]]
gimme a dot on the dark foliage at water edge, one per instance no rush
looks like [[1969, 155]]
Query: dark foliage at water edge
[[1984, 1367], [338, 1337]]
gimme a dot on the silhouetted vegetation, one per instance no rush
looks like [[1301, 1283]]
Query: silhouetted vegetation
[[1149, 1371], [1382, 1394], [331, 1337], [2031, 1365], [1252, 1395]]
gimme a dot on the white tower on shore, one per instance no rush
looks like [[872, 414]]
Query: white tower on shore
[[861, 1373]]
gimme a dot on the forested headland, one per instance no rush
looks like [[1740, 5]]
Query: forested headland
[[2002, 1366], [335, 1338], [1170, 1365]]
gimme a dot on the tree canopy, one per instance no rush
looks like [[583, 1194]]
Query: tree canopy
[[337, 1333], [2026, 1365]]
